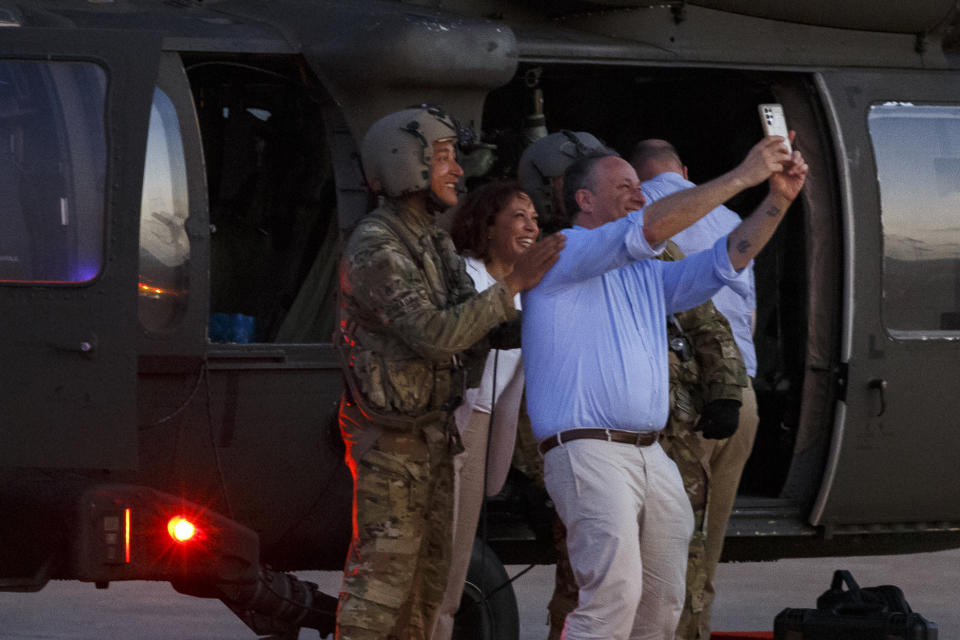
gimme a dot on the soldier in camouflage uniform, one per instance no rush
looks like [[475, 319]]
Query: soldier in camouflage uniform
[[706, 370], [412, 331]]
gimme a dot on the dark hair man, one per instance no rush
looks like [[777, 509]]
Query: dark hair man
[[595, 357], [707, 377]]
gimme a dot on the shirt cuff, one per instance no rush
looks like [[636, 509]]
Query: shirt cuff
[[502, 294], [724, 269], [742, 285]]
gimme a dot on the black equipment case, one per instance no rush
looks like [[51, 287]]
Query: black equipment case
[[873, 613]]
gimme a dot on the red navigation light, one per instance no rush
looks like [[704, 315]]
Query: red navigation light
[[126, 535], [181, 529]]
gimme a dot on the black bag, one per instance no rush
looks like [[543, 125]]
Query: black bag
[[886, 597], [873, 613]]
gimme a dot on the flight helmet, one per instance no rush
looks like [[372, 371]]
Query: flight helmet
[[397, 150], [548, 158]]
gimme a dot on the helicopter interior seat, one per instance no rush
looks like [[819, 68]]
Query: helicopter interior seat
[[274, 240], [237, 241]]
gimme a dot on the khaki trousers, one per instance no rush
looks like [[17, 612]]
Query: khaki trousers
[[628, 524], [712, 476], [726, 461], [468, 473]]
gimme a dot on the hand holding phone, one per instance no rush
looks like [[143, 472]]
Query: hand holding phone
[[774, 123]]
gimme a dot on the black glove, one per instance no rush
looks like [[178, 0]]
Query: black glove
[[719, 419]]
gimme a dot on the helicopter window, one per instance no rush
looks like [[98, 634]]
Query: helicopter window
[[273, 239], [917, 149], [164, 245], [52, 171]]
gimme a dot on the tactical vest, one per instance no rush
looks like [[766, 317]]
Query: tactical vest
[[391, 383]]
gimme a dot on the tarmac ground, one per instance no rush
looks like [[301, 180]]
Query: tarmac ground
[[749, 597]]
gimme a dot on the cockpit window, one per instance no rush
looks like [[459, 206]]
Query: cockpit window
[[52, 171], [917, 149], [164, 245]]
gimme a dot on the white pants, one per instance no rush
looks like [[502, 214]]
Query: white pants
[[468, 471], [629, 523]]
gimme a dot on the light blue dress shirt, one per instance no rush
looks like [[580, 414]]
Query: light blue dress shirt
[[735, 303], [594, 329]]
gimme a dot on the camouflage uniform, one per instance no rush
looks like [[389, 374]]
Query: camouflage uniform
[[409, 317], [715, 372]]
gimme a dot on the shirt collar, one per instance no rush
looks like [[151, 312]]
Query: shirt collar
[[671, 177]]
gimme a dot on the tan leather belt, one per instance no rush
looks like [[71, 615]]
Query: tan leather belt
[[636, 438]]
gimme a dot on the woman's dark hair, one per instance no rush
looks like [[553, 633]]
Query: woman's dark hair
[[477, 212]]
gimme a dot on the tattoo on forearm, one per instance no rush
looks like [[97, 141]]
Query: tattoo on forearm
[[772, 211], [743, 246]]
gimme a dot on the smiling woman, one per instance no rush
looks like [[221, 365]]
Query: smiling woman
[[495, 224], [513, 230]]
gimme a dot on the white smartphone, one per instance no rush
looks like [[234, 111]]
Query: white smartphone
[[774, 123]]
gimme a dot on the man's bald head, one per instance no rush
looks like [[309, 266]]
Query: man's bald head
[[652, 157]]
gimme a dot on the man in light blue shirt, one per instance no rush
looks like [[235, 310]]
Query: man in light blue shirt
[[662, 172], [594, 339]]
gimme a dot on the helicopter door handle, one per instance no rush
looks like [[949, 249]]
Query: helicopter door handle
[[79, 346], [880, 385]]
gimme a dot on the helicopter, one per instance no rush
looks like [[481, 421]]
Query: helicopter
[[176, 180]]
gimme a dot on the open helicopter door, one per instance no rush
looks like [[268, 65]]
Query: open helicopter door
[[74, 108], [894, 453]]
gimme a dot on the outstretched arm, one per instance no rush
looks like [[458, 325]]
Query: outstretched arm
[[676, 212], [746, 241]]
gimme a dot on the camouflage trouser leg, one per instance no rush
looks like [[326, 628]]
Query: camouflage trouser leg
[[566, 593], [399, 556], [686, 451]]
